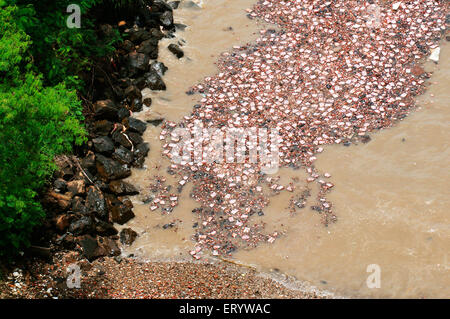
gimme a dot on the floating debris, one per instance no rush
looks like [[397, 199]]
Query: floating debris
[[327, 77]]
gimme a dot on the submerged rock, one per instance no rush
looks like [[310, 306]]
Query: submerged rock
[[127, 236], [176, 50], [154, 81]]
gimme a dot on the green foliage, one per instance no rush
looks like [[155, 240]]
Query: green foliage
[[60, 53], [37, 122]]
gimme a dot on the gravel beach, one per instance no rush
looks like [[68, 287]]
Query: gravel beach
[[107, 278]]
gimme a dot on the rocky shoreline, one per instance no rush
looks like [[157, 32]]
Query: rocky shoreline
[[88, 195]]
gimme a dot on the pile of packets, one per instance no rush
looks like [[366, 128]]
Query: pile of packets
[[334, 72]]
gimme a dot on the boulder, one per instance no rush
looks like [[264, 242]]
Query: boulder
[[94, 248], [121, 139], [149, 48], [174, 4], [103, 145], [103, 127], [127, 236], [138, 61], [106, 109], [190, 5], [123, 113], [154, 81], [76, 187], [132, 92], [119, 212], [95, 202], [77, 205], [128, 46], [147, 101], [140, 35], [60, 185], [105, 228], [109, 169], [180, 26], [159, 68], [135, 125], [136, 105], [62, 222], [140, 153], [88, 162], [166, 19], [123, 155], [121, 188], [81, 226], [135, 138]]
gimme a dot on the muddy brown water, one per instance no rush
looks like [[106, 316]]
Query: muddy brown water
[[391, 195]]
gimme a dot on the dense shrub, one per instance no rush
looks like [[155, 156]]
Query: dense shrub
[[61, 53], [36, 123]]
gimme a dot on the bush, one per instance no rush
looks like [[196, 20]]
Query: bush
[[36, 123], [61, 53]]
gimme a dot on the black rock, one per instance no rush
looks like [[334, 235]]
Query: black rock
[[176, 50], [174, 4], [190, 5], [60, 185], [121, 139], [123, 155], [94, 248], [147, 102], [110, 169], [150, 48], [140, 153], [103, 145], [132, 92], [89, 246], [159, 68], [136, 105], [77, 205], [154, 81], [102, 127], [105, 229], [137, 62], [166, 19], [81, 226], [156, 33], [95, 202], [88, 162], [123, 113], [180, 26], [127, 236], [140, 35], [135, 125], [136, 138], [119, 212], [106, 109], [128, 46], [155, 122]]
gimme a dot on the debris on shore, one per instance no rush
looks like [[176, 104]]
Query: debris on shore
[[333, 73]]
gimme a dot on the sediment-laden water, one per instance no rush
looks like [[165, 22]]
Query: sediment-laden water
[[390, 195]]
